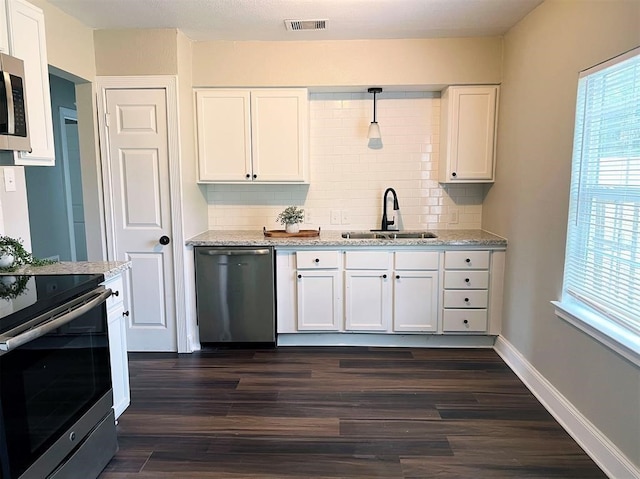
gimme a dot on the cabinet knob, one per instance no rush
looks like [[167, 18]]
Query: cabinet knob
[[466, 300], [299, 276], [317, 260], [248, 176], [454, 174], [384, 276], [397, 276], [466, 321], [468, 260], [255, 176], [467, 280], [116, 293], [125, 313], [164, 240]]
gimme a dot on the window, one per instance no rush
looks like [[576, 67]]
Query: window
[[601, 289]]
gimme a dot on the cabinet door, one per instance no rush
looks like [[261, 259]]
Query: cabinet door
[[280, 131], [469, 129], [415, 301], [28, 42], [319, 300], [117, 330], [4, 28], [367, 300], [224, 135]]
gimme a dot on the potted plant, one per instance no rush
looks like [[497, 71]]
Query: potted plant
[[13, 255], [291, 217]]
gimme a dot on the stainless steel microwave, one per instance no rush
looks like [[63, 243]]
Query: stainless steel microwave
[[14, 125]]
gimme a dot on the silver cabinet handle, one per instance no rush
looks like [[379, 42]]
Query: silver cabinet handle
[[45, 323], [233, 252]]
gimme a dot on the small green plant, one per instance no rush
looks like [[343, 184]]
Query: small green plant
[[291, 215], [13, 247]]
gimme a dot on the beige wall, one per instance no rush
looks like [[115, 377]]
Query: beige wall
[[434, 62], [136, 52], [529, 201], [69, 42], [194, 196]]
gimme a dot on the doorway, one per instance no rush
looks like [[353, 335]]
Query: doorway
[[54, 193]]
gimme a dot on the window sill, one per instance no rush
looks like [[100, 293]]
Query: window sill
[[615, 337]]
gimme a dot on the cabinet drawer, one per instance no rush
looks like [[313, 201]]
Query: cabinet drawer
[[367, 260], [466, 279], [466, 299], [116, 285], [417, 260], [466, 260], [464, 320], [317, 259]]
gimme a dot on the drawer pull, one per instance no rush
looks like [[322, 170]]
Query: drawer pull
[[466, 300], [468, 260], [467, 280], [466, 321], [317, 260], [299, 276], [397, 276]]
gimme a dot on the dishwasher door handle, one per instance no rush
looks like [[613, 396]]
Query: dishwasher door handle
[[234, 252]]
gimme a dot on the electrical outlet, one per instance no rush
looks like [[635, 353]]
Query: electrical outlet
[[308, 218], [454, 217], [9, 179], [335, 217], [345, 217]]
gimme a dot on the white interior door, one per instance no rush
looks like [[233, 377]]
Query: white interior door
[[138, 160]]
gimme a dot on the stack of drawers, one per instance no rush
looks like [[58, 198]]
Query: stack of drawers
[[466, 295]]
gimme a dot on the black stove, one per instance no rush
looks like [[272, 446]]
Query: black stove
[[23, 297], [56, 416]]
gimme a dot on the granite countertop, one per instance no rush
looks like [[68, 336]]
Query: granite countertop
[[334, 238], [108, 268]]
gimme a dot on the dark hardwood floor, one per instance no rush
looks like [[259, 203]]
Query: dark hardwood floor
[[338, 413]]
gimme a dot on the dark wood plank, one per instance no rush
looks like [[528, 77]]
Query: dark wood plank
[[327, 413]]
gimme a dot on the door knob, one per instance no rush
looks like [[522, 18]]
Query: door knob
[[164, 240]]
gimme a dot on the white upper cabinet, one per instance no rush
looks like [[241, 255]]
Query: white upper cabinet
[[258, 135], [468, 133], [4, 28], [28, 42]]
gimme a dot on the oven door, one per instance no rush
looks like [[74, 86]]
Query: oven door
[[52, 372]]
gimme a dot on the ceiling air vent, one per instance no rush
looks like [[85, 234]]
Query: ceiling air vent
[[296, 25]]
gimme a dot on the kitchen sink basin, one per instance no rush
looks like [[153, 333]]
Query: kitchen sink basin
[[387, 235]]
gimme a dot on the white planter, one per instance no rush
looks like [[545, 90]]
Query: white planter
[[6, 260], [293, 228]]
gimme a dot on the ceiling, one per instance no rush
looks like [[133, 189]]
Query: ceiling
[[263, 20]]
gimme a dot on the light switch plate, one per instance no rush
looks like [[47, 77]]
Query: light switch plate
[[345, 217], [9, 179]]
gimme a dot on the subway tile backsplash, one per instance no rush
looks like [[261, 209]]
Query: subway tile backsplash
[[348, 178]]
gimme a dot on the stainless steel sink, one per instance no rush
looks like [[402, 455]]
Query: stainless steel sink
[[388, 235]]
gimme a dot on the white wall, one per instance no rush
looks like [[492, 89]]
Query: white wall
[[529, 202], [349, 177]]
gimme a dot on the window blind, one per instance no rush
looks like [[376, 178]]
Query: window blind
[[602, 270]]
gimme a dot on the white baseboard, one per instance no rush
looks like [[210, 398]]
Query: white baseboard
[[604, 453]]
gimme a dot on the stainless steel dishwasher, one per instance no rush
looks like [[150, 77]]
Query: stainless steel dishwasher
[[235, 294]]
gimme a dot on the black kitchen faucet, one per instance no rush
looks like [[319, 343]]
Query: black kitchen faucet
[[385, 222]]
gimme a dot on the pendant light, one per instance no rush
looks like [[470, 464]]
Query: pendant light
[[374, 128]]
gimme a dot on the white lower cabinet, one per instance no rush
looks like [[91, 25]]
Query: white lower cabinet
[[117, 330], [318, 291], [389, 291], [367, 300], [415, 301], [319, 304]]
